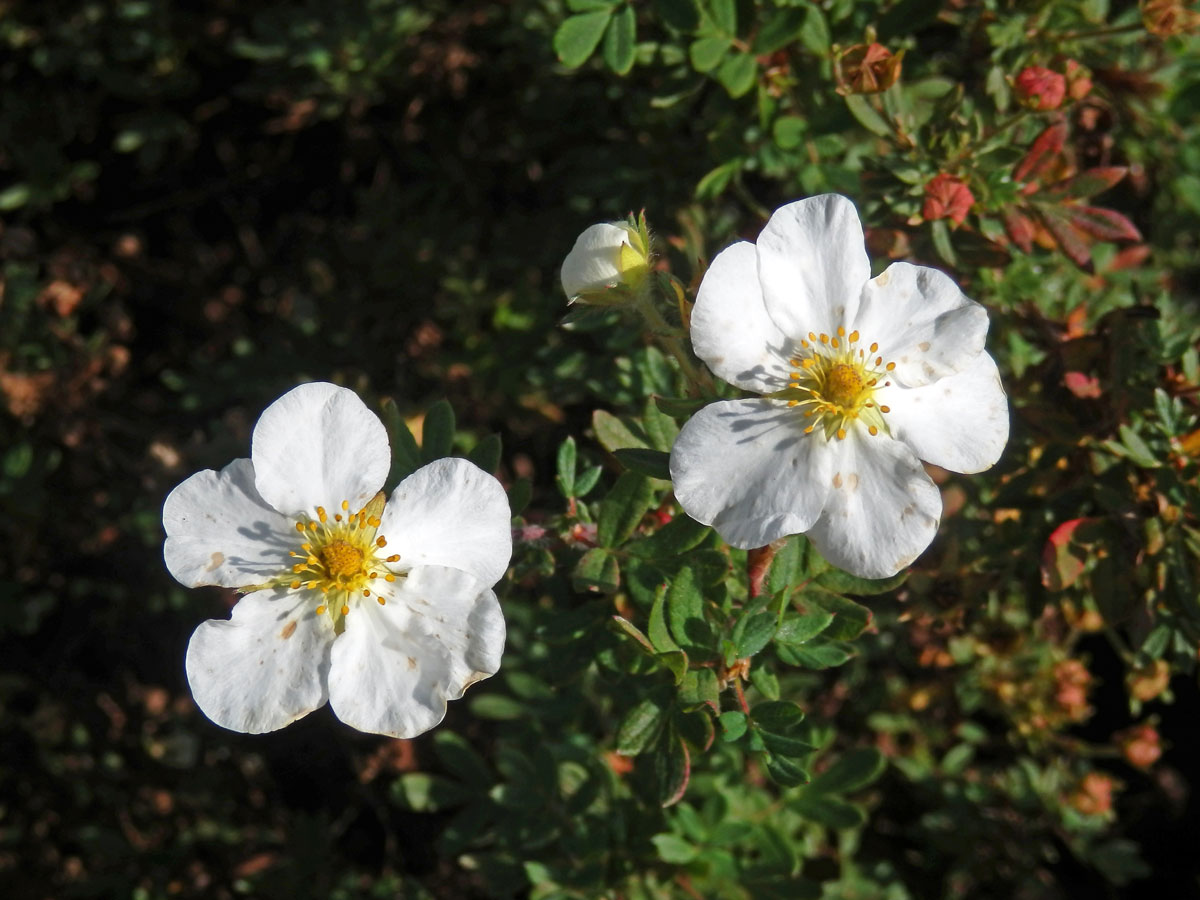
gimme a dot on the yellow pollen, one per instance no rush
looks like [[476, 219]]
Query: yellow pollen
[[844, 385], [345, 609], [834, 342], [853, 336], [885, 409], [824, 338], [873, 430], [345, 505], [320, 610], [342, 559], [300, 527], [874, 348], [380, 542], [321, 513], [841, 434], [389, 577], [890, 366], [381, 601]]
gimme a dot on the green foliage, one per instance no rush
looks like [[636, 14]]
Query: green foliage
[[207, 204]]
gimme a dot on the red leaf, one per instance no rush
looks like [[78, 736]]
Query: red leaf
[[1087, 184], [1065, 555], [1081, 385], [1045, 147], [1019, 228], [1105, 224], [1070, 239]]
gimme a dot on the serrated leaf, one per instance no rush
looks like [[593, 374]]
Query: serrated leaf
[[486, 454], [738, 73], [855, 769], [640, 727], [1042, 152], [867, 116], [619, 41], [597, 570], [623, 508], [578, 36], [566, 461], [651, 463], [706, 53], [437, 432]]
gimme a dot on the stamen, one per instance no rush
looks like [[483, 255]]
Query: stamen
[[841, 434], [395, 557], [295, 585], [812, 337], [345, 610], [841, 332], [389, 577], [321, 513], [793, 403], [321, 610], [381, 601], [300, 527], [380, 542], [345, 505], [824, 338], [874, 348], [834, 342], [885, 409], [890, 366], [853, 336], [878, 360], [873, 431]]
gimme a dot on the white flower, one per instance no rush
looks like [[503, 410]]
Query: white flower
[[383, 609], [605, 258], [860, 378]]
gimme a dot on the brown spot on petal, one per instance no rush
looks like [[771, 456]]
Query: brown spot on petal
[[412, 663], [288, 630], [217, 559], [923, 346], [852, 481], [837, 479]]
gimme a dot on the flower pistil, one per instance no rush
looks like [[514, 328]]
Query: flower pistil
[[834, 382]]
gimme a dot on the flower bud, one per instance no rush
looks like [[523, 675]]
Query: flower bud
[[947, 197], [1140, 745], [608, 263], [1093, 796], [1167, 18], [1079, 80], [1040, 88], [1148, 682], [867, 69]]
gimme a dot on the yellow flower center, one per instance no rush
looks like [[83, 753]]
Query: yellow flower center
[[834, 381], [340, 556]]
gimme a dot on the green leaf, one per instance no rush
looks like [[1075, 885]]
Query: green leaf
[[674, 849], [850, 619], [819, 654], [1136, 448], [406, 455], [519, 495], [852, 771], [733, 724], [421, 792], [777, 715], [660, 428], [867, 116], [815, 34], [700, 687], [685, 610], [682, 15], [660, 636], [461, 760], [566, 467], [486, 454], [623, 626], [827, 810], [707, 52], [940, 231], [578, 36], [497, 706], [785, 744], [789, 131], [802, 628], [623, 508], [613, 433], [597, 570], [673, 769], [437, 432], [724, 15], [640, 727], [674, 661], [841, 582], [786, 772], [752, 633], [787, 568], [738, 73], [651, 463], [780, 30], [589, 5], [680, 407], [675, 538], [587, 480], [714, 183], [619, 41]]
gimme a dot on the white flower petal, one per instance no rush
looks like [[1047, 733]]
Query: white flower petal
[[594, 261], [220, 531], [812, 262], [450, 513], [318, 445], [882, 510], [747, 468], [959, 422], [731, 330], [922, 322], [264, 667], [395, 666]]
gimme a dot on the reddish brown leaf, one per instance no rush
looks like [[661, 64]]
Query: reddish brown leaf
[[1105, 224], [1069, 238], [1045, 147], [1019, 228], [1065, 555], [1081, 385], [1088, 183]]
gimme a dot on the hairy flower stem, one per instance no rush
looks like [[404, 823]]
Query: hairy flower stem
[[669, 337]]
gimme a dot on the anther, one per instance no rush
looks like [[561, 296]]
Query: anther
[[812, 337], [395, 557], [380, 542], [300, 527], [834, 342], [874, 347], [873, 430], [841, 331], [389, 577], [885, 409], [841, 434], [890, 366], [321, 513], [879, 360], [381, 601], [808, 363], [809, 429], [295, 585], [824, 338], [853, 336], [793, 384], [338, 517], [372, 574], [345, 610], [793, 403], [320, 610], [373, 521], [298, 568], [345, 504], [366, 593]]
